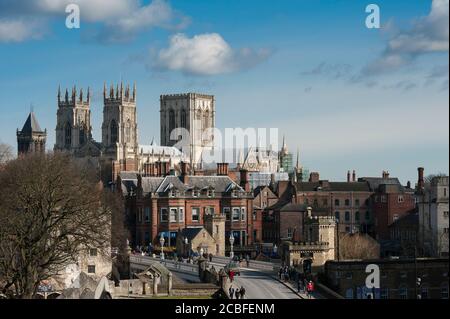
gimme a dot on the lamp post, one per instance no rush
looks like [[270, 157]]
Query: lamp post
[[275, 249], [231, 245], [161, 241], [186, 247]]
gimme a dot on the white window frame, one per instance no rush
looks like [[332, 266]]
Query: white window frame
[[180, 214], [198, 211], [162, 215], [147, 213], [225, 210], [171, 210], [238, 211], [243, 214]]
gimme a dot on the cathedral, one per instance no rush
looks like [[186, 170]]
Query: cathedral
[[119, 149], [31, 139]]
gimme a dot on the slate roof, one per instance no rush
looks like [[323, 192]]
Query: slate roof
[[191, 232], [31, 125], [294, 208], [333, 186], [220, 184], [375, 182]]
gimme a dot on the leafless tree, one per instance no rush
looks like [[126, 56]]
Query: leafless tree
[[358, 246], [6, 153], [50, 211]]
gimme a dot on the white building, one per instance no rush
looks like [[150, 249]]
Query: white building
[[155, 153], [432, 202]]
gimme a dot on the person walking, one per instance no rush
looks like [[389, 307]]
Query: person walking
[[310, 289], [242, 292], [237, 293], [231, 292], [231, 275], [280, 272], [210, 257]]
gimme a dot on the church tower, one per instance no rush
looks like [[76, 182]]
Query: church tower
[[196, 114], [215, 225], [119, 129], [31, 139], [73, 128]]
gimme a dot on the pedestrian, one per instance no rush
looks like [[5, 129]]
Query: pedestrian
[[242, 292], [210, 257], [310, 289], [231, 275], [299, 285], [237, 293], [280, 272], [231, 292]]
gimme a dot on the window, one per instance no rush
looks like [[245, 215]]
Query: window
[[91, 269], [357, 202], [289, 232], [147, 214], [347, 229], [446, 214], [367, 215], [173, 215], [401, 199], [383, 199], [306, 202], [337, 215], [243, 214], [128, 132], [384, 293], [210, 193], [347, 216], [357, 216], [209, 211], [82, 136], [226, 212], [337, 202], [446, 230], [195, 193], [236, 214], [181, 214], [68, 135], [196, 214], [395, 217], [444, 291], [347, 202], [164, 215], [114, 132], [316, 203], [93, 252], [349, 293], [183, 119], [403, 293]]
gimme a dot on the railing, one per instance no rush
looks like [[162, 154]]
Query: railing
[[169, 264]]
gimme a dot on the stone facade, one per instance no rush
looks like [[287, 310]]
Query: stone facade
[[194, 113], [432, 203]]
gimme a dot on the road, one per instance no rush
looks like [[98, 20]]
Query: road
[[261, 286]]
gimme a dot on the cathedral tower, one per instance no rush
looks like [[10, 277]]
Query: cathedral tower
[[193, 112], [119, 129], [73, 128], [31, 139]]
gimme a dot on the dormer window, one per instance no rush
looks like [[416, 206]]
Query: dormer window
[[234, 193], [195, 193], [210, 193]]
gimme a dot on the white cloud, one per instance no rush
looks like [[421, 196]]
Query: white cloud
[[428, 34], [206, 54], [120, 20], [19, 30]]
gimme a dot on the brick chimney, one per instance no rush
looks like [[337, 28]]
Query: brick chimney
[[348, 176], [184, 177], [421, 180], [162, 169], [314, 177], [385, 174], [354, 176], [245, 184], [222, 169]]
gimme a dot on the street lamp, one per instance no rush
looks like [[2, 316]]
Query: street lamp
[[275, 249], [161, 241], [186, 247], [231, 245]]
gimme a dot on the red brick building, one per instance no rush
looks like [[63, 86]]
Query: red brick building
[[167, 204]]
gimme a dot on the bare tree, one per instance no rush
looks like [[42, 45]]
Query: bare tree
[[6, 153], [358, 246], [50, 211]]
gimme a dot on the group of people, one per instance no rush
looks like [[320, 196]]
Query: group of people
[[304, 285], [236, 293]]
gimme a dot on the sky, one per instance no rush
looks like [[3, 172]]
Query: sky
[[348, 97]]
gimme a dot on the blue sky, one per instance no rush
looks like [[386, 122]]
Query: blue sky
[[349, 97]]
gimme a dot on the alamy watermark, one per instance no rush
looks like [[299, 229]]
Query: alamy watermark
[[374, 18]]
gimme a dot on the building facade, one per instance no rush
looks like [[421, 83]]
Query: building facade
[[432, 203]]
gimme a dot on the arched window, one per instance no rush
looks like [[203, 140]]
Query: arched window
[[336, 202], [183, 119], [205, 124], [114, 132], [337, 215], [128, 132], [68, 135], [357, 216], [347, 216], [171, 121]]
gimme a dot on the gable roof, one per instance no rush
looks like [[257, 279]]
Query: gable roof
[[375, 182], [191, 232], [361, 186]]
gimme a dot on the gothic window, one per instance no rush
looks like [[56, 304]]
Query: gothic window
[[205, 124], [82, 137], [128, 132], [183, 119], [114, 132], [171, 121], [68, 135]]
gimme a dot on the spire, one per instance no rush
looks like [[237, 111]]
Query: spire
[[59, 93], [104, 90], [89, 94], [297, 165], [67, 96], [81, 95], [134, 91], [31, 124], [284, 149]]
